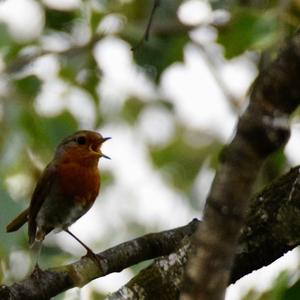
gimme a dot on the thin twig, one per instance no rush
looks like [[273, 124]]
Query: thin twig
[[233, 101], [146, 34]]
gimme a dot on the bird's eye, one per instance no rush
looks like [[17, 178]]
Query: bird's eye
[[81, 140]]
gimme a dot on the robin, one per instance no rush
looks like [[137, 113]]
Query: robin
[[66, 189]]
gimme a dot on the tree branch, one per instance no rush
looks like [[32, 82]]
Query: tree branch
[[146, 34], [42, 285], [21, 62], [272, 229], [213, 69], [261, 130]]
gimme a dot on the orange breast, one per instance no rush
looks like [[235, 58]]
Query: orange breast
[[79, 183]]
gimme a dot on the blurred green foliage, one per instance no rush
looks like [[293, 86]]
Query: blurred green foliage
[[29, 137], [182, 169], [284, 287], [249, 29], [60, 20]]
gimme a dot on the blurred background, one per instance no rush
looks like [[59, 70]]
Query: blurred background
[[169, 106]]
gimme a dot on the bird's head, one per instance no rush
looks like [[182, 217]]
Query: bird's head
[[82, 146]]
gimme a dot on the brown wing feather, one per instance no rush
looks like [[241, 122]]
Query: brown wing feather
[[42, 189]]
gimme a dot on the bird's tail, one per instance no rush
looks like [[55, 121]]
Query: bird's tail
[[18, 222]]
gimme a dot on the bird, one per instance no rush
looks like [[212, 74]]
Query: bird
[[66, 190]]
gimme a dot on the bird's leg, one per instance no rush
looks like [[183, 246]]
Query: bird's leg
[[96, 257], [37, 273], [37, 247]]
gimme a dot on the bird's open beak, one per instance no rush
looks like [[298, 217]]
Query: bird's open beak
[[96, 148], [104, 140]]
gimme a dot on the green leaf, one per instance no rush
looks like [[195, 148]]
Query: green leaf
[[11, 54], [276, 292], [44, 133], [81, 69], [182, 161], [107, 178], [95, 295], [293, 293], [230, 4], [29, 86], [95, 20], [159, 53], [132, 109], [60, 20], [9, 209], [167, 36], [5, 38], [248, 29], [71, 65], [280, 286]]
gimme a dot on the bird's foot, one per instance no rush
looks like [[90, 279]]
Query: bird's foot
[[97, 258], [37, 271]]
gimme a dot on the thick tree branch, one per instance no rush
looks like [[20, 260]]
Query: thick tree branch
[[45, 284], [272, 229], [261, 130], [161, 280]]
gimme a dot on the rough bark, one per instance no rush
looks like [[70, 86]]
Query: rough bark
[[272, 229], [160, 281], [42, 285], [261, 130]]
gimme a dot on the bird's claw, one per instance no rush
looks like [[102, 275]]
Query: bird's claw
[[99, 259], [37, 271]]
